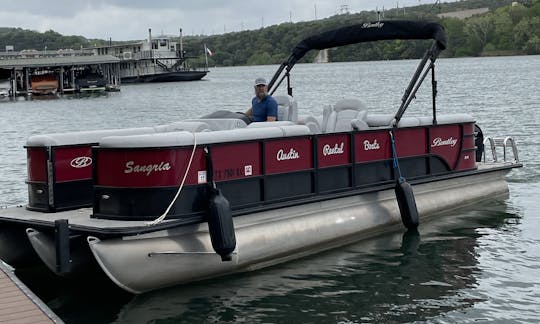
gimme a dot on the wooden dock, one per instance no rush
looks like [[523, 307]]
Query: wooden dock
[[18, 304]]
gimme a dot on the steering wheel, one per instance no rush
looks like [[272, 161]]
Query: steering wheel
[[245, 117]]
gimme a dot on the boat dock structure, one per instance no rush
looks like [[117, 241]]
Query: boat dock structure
[[155, 59], [18, 304], [62, 69]]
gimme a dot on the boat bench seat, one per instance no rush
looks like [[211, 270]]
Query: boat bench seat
[[190, 126], [385, 120], [447, 119], [379, 120], [184, 138], [376, 121], [85, 137], [270, 124], [95, 136], [217, 124]]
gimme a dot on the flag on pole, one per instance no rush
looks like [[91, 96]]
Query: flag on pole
[[209, 51]]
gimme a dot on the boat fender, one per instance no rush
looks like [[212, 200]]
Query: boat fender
[[220, 225], [407, 204], [404, 192]]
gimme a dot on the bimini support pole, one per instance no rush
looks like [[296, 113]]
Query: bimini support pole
[[417, 80], [434, 92]]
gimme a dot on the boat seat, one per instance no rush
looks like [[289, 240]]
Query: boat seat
[[340, 117], [385, 121], [287, 108], [379, 120], [183, 126], [184, 138], [295, 130], [425, 120], [327, 110], [270, 124], [85, 137], [409, 122], [358, 124], [312, 122], [217, 124], [447, 119]]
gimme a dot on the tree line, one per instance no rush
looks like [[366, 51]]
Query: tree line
[[505, 30], [509, 28]]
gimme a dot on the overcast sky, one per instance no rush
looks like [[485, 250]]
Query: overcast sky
[[130, 19]]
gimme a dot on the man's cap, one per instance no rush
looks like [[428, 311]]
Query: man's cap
[[260, 81]]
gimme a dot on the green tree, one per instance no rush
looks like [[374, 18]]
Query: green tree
[[504, 25], [456, 37], [527, 34], [479, 32]]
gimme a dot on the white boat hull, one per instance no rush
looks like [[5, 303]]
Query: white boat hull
[[165, 258]]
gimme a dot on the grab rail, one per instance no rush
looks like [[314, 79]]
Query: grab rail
[[503, 142]]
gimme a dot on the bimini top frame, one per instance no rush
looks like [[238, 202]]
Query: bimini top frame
[[369, 32]]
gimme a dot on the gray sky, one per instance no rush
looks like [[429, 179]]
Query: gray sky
[[130, 19]]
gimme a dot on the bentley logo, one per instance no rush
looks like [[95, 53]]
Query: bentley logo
[[440, 142], [81, 162]]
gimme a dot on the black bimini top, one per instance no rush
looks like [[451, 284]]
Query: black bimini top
[[369, 32]]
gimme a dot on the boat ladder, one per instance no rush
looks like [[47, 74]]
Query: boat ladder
[[504, 142]]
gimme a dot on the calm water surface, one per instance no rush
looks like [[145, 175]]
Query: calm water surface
[[474, 265]]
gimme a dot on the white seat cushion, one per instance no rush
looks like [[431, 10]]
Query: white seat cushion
[[349, 104], [311, 122], [287, 108]]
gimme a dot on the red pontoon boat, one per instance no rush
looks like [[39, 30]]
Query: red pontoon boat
[[164, 205]]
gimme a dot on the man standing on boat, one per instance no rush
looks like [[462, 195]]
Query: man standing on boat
[[263, 106]]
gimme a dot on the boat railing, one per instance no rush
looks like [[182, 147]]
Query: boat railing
[[151, 54], [142, 55], [504, 143]]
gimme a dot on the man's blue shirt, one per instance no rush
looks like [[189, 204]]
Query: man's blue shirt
[[264, 108]]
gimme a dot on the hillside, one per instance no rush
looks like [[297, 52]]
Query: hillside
[[505, 29]]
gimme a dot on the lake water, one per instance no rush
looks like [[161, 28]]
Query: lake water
[[479, 264]]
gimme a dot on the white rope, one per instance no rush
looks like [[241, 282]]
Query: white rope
[[162, 217]]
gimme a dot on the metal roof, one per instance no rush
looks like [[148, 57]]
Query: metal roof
[[10, 63]]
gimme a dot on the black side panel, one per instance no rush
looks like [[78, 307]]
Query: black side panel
[[241, 193], [66, 195], [73, 194], [437, 165], [287, 186], [148, 203], [368, 173], [413, 167], [38, 196], [334, 179]]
